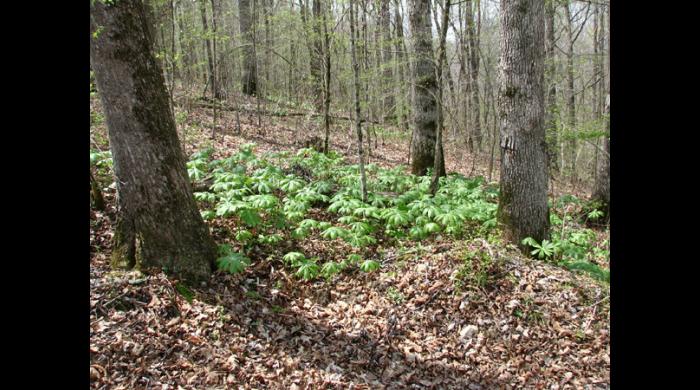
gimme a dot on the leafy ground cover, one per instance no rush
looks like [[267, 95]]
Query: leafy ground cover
[[317, 289]]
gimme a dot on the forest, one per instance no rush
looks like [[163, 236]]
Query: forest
[[349, 194]]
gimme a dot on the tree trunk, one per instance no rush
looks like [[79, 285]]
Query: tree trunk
[[326, 79], [401, 69], [425, 90], [210, 57], [356, 82], [249, 80], [388, 101], [601, 190], [551, 132], [439, 158], [571, 93], [316, 59], [156, 210], [523, 209], [472, 38]]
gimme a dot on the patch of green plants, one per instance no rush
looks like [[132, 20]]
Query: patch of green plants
[[574, 249], [477, 271], [394, 295], [269, 198]]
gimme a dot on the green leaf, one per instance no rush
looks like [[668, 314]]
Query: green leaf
[[250, 217], [369, 266], [233, 262], [308, 270], [294, 258]]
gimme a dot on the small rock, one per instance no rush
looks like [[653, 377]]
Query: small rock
[[468, 332]]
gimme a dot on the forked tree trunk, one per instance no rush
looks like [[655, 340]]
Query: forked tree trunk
[[522, 208], [158, 219], [425, 89]]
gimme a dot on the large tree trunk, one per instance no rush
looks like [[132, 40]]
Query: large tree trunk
[[425, 89], [523, 209], [250, 79], [551, 132], [156, 211], [356, 83]]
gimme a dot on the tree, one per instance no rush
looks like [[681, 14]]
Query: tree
[[158, 222], [425, 113], [475, 136], [522, 208], [388, 94], [601, 190], [356, 83], [250, 72], [439, 158], [550, 72]]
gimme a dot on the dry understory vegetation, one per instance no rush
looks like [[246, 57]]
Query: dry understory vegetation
[[526, 324]]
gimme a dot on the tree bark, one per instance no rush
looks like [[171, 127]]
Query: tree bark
[[551, 132], [439, 158], [425, 90], [249, 80], [601, 190], [522, 209], [316, 64], [356, 83], [210, 57], [571, 93], [387, 58], [156, 210], [473, 40]]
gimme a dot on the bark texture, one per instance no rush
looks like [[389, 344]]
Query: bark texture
[[523, 210], [425, 113], [158, 220], [250, 74]]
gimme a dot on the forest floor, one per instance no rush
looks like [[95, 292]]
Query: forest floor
[[535, 326]]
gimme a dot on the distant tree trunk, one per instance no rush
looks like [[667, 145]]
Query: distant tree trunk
[[439, 158], [550, 74], [316, 59], [425, 90], [402, 104], [249, 80], [210, 56], [358, 118], [326, 79], [475, 133], [571, 93], [522, 208], [601, 190], [388, 101], [156, 210]]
